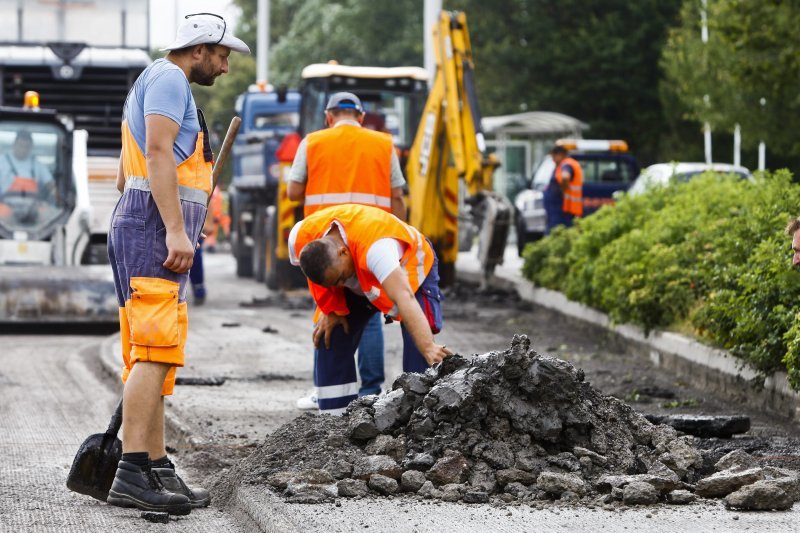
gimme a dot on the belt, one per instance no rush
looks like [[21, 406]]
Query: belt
[[190, 194]]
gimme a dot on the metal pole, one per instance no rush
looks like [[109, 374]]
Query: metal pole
[[707, 142], [762, 147], [19, 21], [262, 44], [737, 145], [431, 10]]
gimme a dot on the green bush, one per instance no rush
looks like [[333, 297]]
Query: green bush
[[710, 253]]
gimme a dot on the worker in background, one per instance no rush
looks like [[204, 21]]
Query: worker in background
[[154, 230], [216, 220], [360, 260], [347, 163], [20, 163], [563, 196]]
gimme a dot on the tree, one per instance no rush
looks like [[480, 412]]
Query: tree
[[753, 52], [597, 60]]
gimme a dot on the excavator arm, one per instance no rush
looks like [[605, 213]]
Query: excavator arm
[[449, 147]]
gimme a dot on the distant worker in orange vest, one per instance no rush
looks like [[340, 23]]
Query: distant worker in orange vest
[[563, 196], [359, 259], [348, 163]]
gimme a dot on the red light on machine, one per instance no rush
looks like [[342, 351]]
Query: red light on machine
[[31, 100]]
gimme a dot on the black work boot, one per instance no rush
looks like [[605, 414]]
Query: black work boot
[[198, 497], [136, 487]]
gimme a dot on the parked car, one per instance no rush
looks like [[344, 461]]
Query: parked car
[[607, 167], [662, 174]]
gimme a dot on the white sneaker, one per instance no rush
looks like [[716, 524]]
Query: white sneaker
[[307, 403]]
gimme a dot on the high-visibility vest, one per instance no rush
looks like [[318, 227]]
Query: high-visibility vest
[[363, 226], [573, 196], [194, 173], [348, 164]]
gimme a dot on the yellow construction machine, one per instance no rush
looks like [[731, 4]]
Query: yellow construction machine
[[449, 171]]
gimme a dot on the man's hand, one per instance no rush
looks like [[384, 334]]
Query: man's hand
[[325, 327], [180, 252], [435, 353]]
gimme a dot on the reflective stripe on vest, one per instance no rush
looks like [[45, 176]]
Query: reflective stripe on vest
[[336, 198], [186, 193]]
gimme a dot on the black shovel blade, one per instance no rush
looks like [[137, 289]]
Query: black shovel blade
[[95, 465]]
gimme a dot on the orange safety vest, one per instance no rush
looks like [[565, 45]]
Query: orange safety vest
[[364, 225], [194, 173], [573, 197], [348, 165]]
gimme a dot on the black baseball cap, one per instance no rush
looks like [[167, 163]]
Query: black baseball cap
[[344, 101]]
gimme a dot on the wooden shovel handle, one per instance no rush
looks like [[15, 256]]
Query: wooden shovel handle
[[227, 143]]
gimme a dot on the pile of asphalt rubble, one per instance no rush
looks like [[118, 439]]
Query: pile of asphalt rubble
[[503, 427]]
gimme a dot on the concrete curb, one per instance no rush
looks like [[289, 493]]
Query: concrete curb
[[244, 505], [702, 365]]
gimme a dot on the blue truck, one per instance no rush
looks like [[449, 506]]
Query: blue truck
[[607, 167], [268, 117]]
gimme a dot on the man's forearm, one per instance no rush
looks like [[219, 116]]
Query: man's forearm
[[164, 186], [414, 321], [399, 205]]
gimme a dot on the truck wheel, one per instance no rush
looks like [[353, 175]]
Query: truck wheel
[[272, 277], [260, 244], [243, 254]]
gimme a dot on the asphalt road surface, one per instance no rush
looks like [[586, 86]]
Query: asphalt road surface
[[54, 392]]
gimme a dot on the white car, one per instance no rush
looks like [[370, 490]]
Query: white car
[[662, 174]]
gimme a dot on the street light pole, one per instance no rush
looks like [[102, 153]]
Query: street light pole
[[262, 42], [706, 98], [431, 10], [762, 148]]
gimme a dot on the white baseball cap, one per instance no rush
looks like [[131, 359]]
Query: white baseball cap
[[206, 28]]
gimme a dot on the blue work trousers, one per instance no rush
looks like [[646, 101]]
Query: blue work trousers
[[335, 368], [370, 357]]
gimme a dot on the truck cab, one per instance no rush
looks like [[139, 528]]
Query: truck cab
[[607, 167], [267, 118], [37, 190]]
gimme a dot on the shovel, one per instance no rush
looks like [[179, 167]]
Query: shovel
[[95, 464]]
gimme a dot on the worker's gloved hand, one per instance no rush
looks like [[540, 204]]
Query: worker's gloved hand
[[325, 326], [436, 353]]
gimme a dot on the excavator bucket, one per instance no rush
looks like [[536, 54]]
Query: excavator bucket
[[34, 294]]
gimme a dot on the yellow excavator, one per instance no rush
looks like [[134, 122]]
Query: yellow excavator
[[449, 147]]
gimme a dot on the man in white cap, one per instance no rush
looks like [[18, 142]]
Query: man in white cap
[[165, 179]]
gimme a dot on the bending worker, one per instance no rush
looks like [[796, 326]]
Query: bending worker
[[563, 196], [154, 230], [350, 164], [358, 260]]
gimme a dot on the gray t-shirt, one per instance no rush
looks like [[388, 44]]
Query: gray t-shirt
[[162, 89], [299, 171]]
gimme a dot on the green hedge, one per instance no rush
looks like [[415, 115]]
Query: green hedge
[[709, 255]]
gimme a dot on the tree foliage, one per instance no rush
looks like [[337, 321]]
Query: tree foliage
[[709, 254], [752, 53], [596, 60]]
